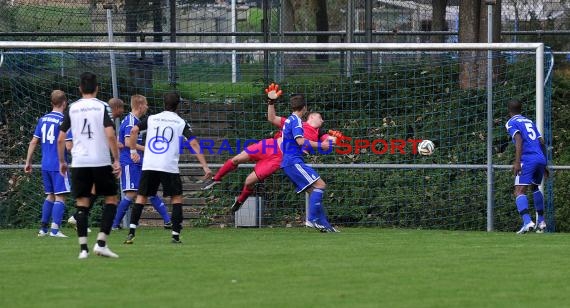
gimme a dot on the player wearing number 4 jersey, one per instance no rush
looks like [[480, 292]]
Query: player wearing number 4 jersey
[[93, 141], [529, 166], [160, 166], [56, 186]]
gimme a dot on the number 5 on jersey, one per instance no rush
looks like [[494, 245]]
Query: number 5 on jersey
[[530, 130]]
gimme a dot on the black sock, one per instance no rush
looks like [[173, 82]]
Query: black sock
[[176, 217], [136, 213], [176, 237], [81, 217], [101, 243], [107, 217], [84, 247]]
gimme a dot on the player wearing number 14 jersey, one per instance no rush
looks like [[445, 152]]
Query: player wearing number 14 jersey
[[529, 166], [56, 186]]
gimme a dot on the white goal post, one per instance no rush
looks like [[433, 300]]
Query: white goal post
[[537, 48]]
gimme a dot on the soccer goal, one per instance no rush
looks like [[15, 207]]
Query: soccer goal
[[385, 97]]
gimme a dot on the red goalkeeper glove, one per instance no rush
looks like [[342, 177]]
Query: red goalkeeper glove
[[336, 133], [273, 93]]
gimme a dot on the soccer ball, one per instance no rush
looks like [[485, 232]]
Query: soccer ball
[[426, 147]]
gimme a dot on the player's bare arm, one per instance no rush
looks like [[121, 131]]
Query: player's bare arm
[[68, 145], [132, 143], [31, 148], [518, 153], [61, 153], [201, 158], [112, 139], [272, 117], [543, 148]]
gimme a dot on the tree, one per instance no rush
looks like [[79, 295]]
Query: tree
[[321, 23], [473, 29], [438, 19]]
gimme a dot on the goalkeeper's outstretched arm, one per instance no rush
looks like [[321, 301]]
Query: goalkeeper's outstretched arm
[[273, 93], [272, 117]]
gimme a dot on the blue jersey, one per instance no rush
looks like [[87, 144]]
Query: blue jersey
[[47, 132], [292, 152], [531, 146], [125, 131]]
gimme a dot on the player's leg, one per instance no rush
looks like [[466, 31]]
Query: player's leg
[[172, 186], [267, 164], [229, 166], [316, 204], [47, 206], [61, 189], [81, 183], [304, 177], [522, 180], [106, 186], [538, 198], [148, 186], [521, 201], [91, 201], [161, 208], [246, 191], [316, 208], [130, 176], [177, 218], [123, 207], [525, 178]]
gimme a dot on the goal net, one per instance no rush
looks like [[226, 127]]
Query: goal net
[[384, 98]]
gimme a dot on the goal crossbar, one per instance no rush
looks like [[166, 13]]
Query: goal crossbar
[[269, 46]]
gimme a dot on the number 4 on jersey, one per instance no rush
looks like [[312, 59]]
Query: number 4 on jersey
[[86, 130]]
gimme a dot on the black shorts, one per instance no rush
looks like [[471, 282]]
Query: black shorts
[[151, 179], [83, 178]]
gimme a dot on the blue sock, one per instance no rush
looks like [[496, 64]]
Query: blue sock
[[522, 207], [57, 215], [160, 208], [46, 214], [316, 210], [121, 210], [538, 199]]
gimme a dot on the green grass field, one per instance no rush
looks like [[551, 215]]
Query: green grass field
[[289, 267]]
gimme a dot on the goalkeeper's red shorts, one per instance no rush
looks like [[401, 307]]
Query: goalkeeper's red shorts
[[267, 155]]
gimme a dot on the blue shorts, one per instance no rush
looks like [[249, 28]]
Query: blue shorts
[[531, 173], [130, 177], [54, 183], [301, 175]]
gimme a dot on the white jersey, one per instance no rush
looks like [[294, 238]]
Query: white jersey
[[87, 119], [164, 132]]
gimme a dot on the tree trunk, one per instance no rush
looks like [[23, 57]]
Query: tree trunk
[[157, 27], [438, 19], [469, 18], [322, 24], [131, 19], [288, 20], [473, 29]]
